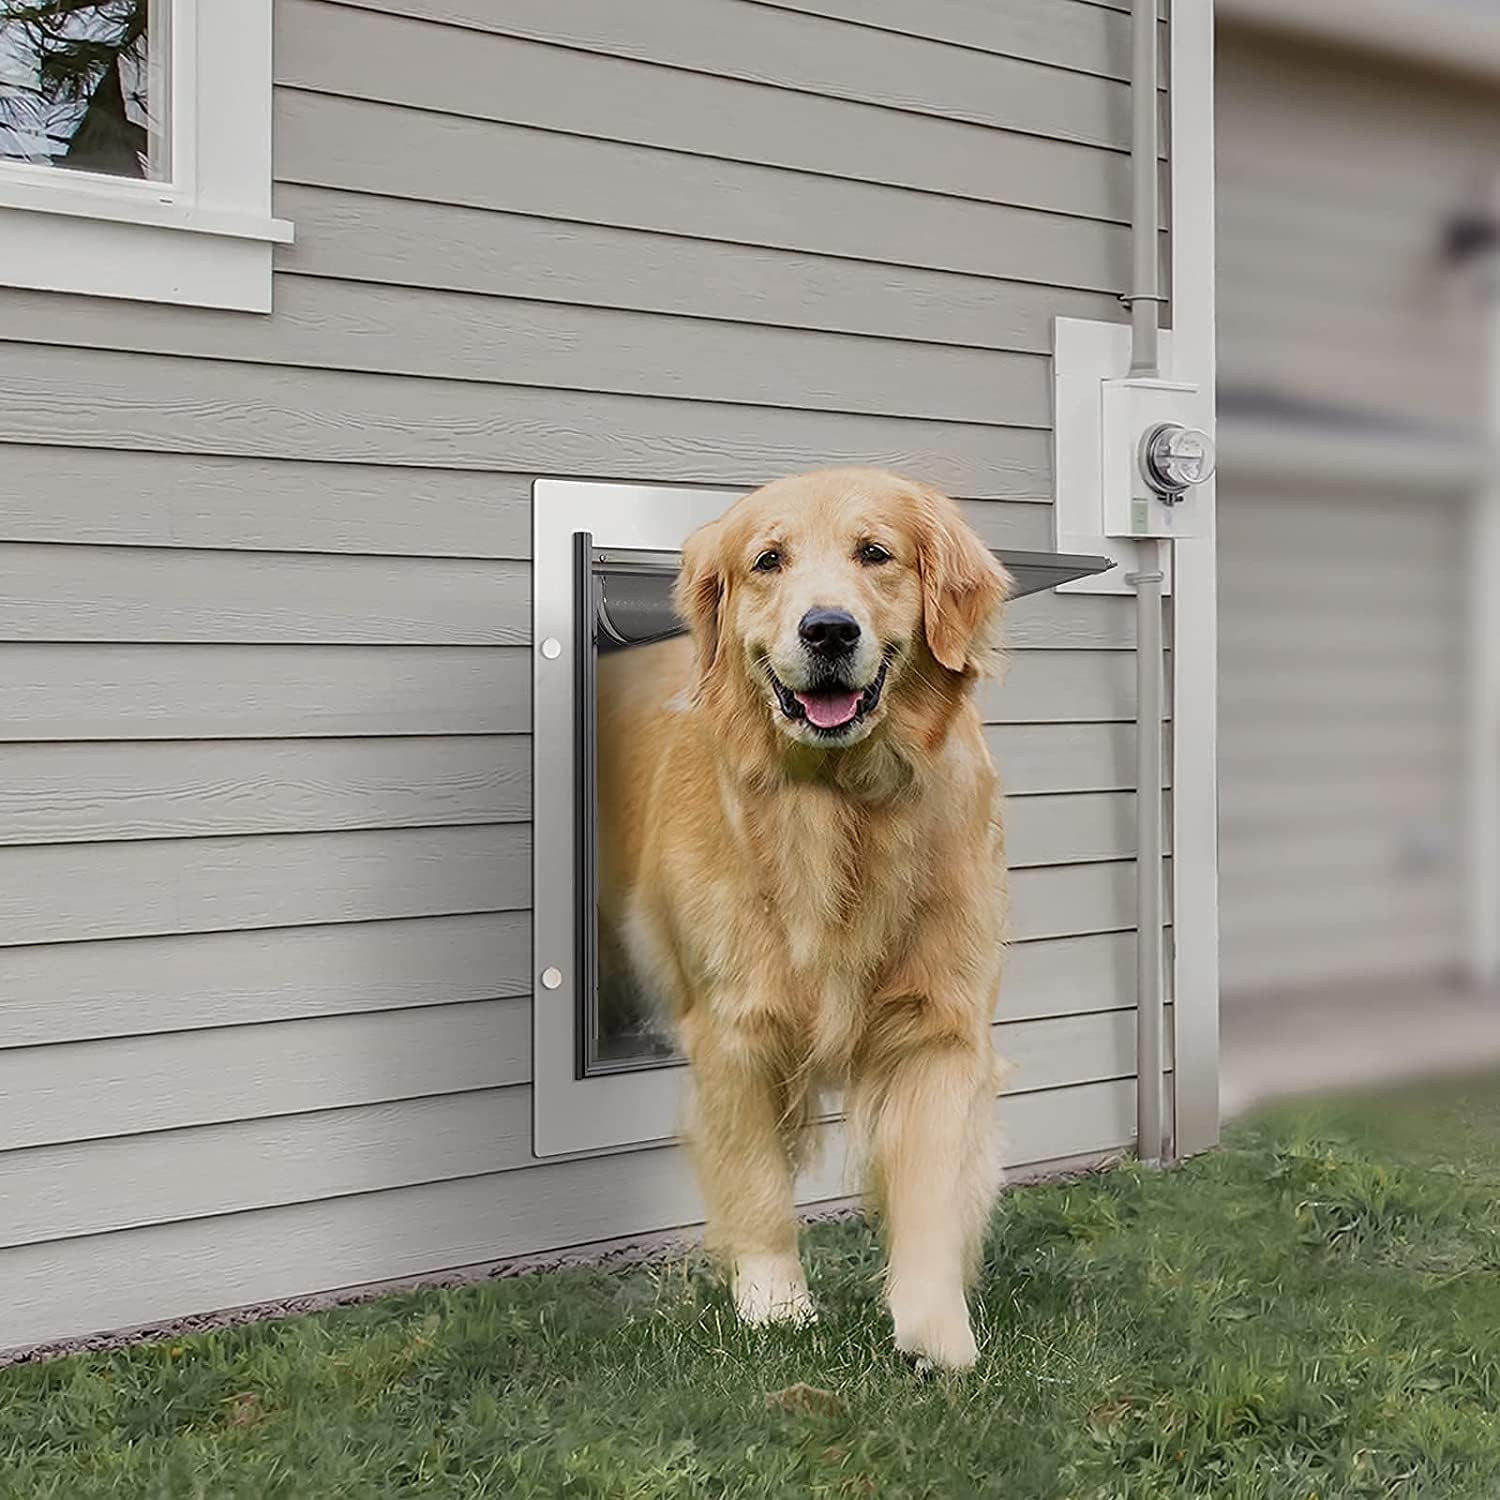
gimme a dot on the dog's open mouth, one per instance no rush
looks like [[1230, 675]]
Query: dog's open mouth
[[829, 708]]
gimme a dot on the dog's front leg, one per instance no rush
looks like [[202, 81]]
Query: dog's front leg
[[925, 1106], [741, 1128]]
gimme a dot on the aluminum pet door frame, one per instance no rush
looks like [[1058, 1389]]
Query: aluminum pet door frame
[[603, 562], [575, 1109]]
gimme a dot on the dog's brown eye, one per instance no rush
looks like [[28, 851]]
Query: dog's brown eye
[[768, 562], [873, 553]]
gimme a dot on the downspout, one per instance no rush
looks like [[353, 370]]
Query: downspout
[[1145, 363], [1471, 243], [1484, 944], [1484, 754]]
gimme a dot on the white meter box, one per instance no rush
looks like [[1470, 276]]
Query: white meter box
[[1131, 455], [1131, 411]]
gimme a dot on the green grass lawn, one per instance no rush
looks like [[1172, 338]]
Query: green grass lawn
[[1313, 1311]]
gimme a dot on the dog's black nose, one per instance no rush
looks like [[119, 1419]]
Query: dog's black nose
[[829, 632]]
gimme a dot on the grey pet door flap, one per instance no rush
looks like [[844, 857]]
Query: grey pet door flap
[[633, 594]]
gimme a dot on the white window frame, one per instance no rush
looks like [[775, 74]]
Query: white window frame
[[204, 236]]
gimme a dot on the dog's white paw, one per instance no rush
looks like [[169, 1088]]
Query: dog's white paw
[[771, 1289], [936, 1334]]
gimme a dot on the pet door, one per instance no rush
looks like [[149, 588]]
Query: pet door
[[605, 558]]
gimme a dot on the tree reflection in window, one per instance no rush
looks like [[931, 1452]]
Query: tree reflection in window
[[77, 87]]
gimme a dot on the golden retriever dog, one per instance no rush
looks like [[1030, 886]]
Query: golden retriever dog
[[801, 853]]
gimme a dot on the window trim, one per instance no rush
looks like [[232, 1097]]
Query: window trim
[[204, 236]]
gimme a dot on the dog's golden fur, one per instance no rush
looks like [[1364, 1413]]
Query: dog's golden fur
[[822, 912]]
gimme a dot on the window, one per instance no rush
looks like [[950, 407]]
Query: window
[[82, 86], [135, 149]]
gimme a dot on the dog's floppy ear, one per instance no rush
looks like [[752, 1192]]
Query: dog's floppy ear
[[699, 594], [963, 588]]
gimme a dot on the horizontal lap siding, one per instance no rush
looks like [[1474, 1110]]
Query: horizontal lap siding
[[363, 237], [59, 396], [331, 49], [54, 592], [67, 992], [265, 757], [54, 893], [187, 789], [134, 1086], [806, 48], [269, 1254], [144, 497], [1092, 37], [155, 1172], [237, 503], [515, 169], [85, 691], [454, 335]]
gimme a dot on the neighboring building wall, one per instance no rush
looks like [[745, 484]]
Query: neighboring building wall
[[1337, 175], [264, 940], [1343, 603], [1341, 733]]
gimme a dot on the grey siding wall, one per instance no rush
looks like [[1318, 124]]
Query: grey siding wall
[[264, 599]]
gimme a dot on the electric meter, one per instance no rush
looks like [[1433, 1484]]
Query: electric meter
[[1174, 458]]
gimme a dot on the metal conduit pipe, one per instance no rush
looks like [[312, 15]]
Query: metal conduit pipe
[[1145, 323], [1145, 197], [1149, 1016]]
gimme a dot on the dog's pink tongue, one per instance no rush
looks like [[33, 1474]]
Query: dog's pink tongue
[[829, 710]]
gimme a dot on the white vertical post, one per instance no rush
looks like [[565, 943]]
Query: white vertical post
[[1195, 860], [1484, 708]]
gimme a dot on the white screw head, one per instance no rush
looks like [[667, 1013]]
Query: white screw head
[[552, 648], [551, 978]]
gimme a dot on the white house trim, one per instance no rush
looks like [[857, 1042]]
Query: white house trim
[[204, 236], [1194, 658]]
